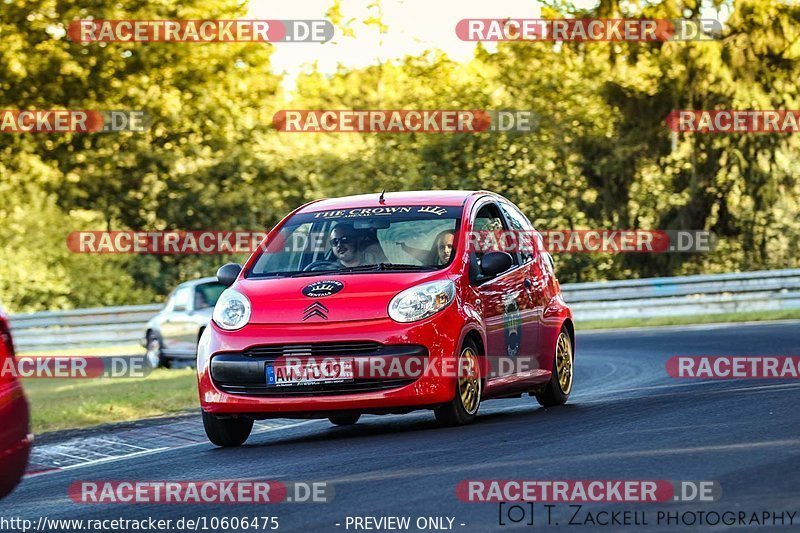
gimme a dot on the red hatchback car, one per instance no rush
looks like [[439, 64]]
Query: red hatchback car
[[15, 439], [386, 304]]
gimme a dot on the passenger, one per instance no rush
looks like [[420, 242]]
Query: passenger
[[440, 252]]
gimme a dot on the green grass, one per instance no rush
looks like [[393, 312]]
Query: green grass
[[749, 316], [76, 403], [122, 349]]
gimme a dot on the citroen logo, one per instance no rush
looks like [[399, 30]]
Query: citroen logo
[[315, 309]]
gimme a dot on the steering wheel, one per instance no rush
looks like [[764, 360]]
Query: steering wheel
[[322, 264]]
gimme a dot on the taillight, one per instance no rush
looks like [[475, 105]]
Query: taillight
[[5, 338]]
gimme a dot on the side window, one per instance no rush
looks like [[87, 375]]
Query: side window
[[182, 298], [520, 224], [489, 225]]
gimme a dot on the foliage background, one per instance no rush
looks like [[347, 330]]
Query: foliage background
[[602, 158]]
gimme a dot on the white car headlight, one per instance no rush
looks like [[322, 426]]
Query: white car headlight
[[232, 310], [422, 301]]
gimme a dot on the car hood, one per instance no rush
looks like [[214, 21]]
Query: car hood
[[355, 296]]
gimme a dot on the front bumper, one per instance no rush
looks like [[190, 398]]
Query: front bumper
[[438, 336]]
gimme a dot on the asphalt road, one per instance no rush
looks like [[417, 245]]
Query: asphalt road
[[626, 420]]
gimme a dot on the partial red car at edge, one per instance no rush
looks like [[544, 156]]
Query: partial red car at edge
[[15, 437], [385, 303]]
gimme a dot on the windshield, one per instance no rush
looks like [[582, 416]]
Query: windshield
[[362, 240], [207, 294]]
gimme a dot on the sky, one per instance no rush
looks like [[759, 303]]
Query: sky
[[414, 26]]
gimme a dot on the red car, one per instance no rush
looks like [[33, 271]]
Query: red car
[[386, 304], [15, 439]]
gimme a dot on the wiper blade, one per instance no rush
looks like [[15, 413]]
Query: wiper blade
[[309, 273], [273, 274], [378, 267], [402, 266], [387, 266]]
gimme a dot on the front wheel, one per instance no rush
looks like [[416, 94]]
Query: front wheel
[[463, 408], [227, 432], [560, 385]]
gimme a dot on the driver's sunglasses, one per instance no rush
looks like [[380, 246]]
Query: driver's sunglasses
[[336, 241]]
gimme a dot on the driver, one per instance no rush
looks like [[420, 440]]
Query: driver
[[345, 245]]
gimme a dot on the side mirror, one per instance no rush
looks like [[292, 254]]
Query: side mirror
[[494, 263], [227, 274]]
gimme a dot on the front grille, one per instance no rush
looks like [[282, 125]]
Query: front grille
[[320, 349], [361, 385], [244, 373]]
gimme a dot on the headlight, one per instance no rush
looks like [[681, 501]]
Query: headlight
[[422, 301], [232, 310]]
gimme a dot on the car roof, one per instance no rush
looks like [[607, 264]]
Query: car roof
[[195, 282], [443, 198]]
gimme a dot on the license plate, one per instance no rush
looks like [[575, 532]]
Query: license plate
[[303, 373]]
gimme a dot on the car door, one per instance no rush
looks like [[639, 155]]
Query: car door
[[173, 329], [536, 285], [504, 303]]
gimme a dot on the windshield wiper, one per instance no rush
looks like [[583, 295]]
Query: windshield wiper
[[379, 267], [274, 274], [313, 273], [403, 266]]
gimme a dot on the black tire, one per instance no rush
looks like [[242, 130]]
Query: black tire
[[344, 420], [454, 412], [155, 354], [227, 432], [554, 392]]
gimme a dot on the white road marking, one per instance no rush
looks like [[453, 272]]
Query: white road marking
[[123, 443], [154, 451]]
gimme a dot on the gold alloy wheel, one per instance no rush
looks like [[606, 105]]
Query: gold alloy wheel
[[564, 362], [469, 382]]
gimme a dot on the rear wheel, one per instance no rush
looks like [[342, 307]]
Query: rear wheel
[[463, 408], [227, 432], [560, 385], [344, 420]]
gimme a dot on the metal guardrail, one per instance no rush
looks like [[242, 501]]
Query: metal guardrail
[[96, 327], [606, 300], [765, 290]]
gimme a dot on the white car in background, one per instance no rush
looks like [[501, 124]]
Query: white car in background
[[174, 332]]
